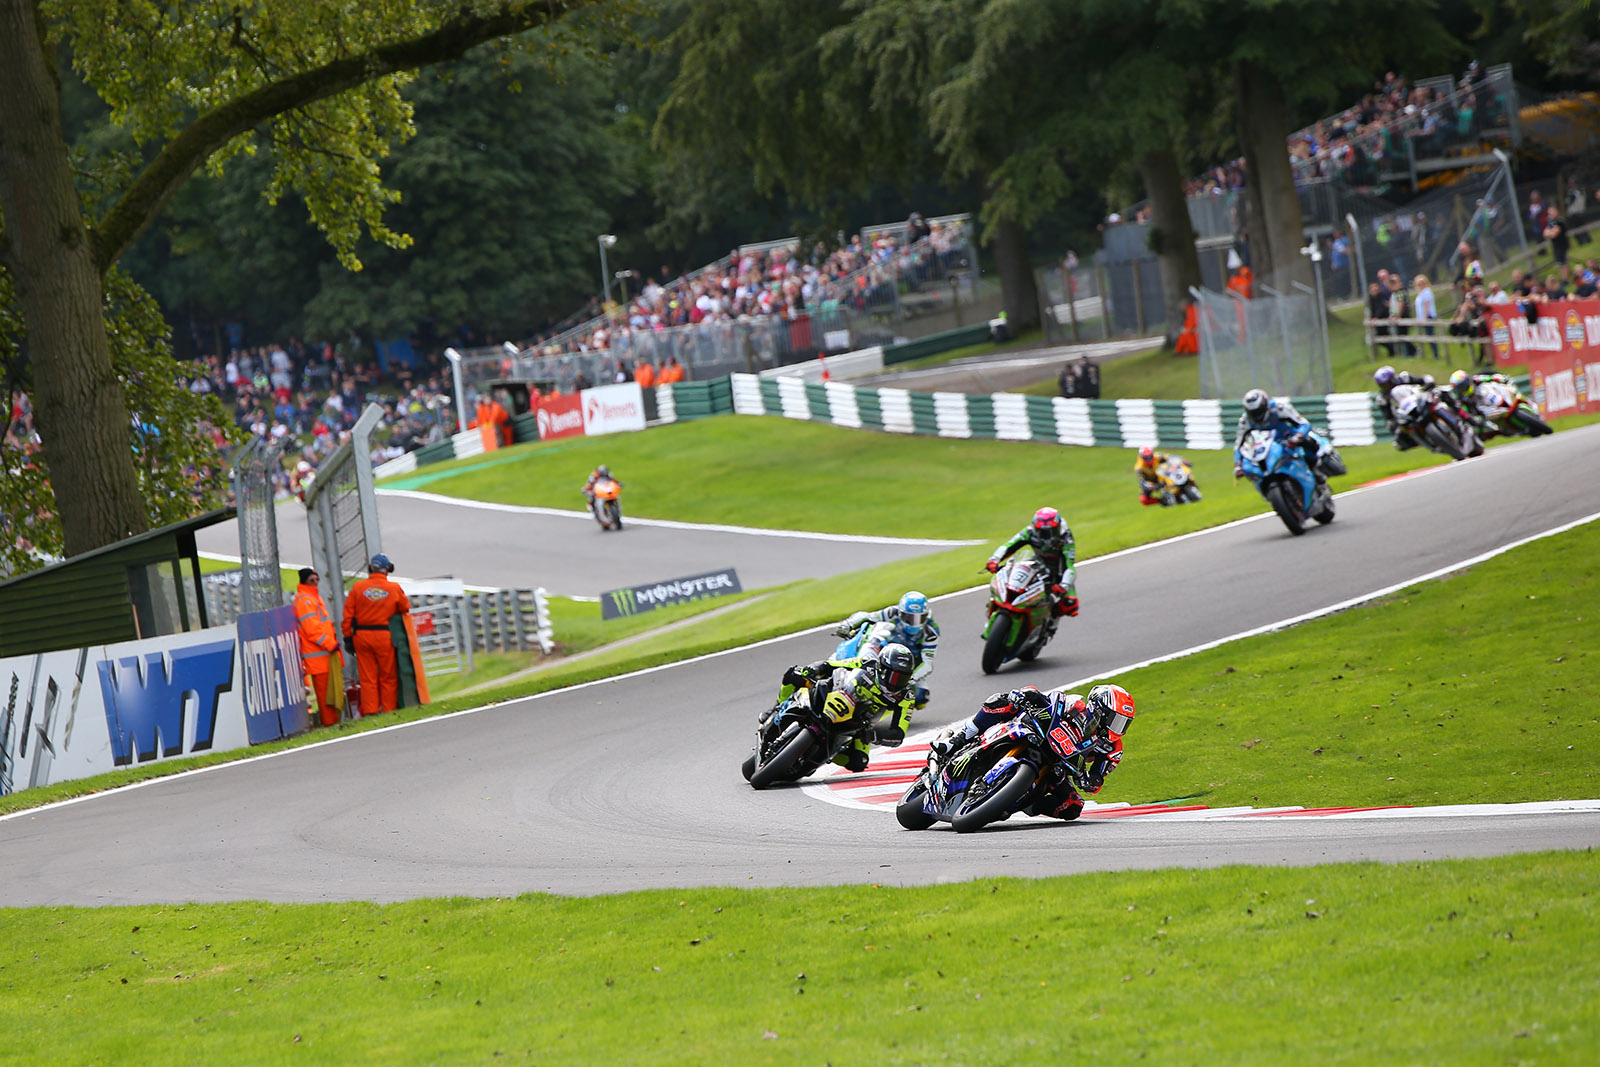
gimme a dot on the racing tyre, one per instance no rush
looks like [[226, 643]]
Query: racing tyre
[[1288, 509], [1529, 423], [999, 802], [1438, 439], [1191, 494], [781, 767], [748, 767], [909, 811], [996, 645]]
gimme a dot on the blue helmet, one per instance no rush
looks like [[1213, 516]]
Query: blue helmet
[[913, 612], [380, 562]]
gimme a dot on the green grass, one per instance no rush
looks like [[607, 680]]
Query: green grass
[[1480, 688], [1469, 961], [764, 471], [1027, 339], [289, 576]]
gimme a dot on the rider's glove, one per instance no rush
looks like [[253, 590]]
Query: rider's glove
[[1296, 440], [992, 566], [843, 630], [1238, 471]]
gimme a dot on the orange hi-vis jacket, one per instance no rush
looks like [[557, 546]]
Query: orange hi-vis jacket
[[319, 644], [372, 602]]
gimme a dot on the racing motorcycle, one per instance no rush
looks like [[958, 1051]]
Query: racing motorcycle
[[1176, 482], [997, 774], [1283, 477], [1019, 623], [1431, 422], [1507, 411], [800, 734], [864, 641], [607, 504]]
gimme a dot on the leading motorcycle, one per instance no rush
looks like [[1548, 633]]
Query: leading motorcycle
[[1019, 622], [997, 774], [607, 504], [1432, 422], [1279, 470], [800, 734], [1507, 411]]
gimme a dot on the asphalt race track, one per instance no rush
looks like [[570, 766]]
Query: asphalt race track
[[567, 553], [634, 783]]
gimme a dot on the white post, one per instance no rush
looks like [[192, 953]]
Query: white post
[[461, 397], [605, 241]]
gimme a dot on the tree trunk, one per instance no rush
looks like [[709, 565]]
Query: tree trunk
[[1018, 291], [1171, 234], [1276, 240], [79, 408]]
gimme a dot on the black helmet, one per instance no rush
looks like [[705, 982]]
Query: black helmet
[[893, 669], [1257, 404], [1110, 711]]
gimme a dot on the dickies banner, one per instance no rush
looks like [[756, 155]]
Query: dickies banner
[[1561, 349], [84, 711]]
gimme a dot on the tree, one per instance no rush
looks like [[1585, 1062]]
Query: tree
[[194, 83]]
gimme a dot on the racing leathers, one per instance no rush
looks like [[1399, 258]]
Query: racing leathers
[[1285, 423], [1059, 709], [1059, 556], [1465, 395], [1402, 438], [888, 715], [1149, 481], [594, 476], [887, 628]]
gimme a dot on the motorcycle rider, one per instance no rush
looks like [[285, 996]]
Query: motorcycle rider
[[1386, 378], [1101, 717], [1463, 389], [1145, 468], [1051, 540], [881, 686], [1263, 412], [913, 627], [599, 473]]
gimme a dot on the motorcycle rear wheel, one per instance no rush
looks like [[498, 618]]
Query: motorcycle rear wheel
[[782, 764], [909, 811], [1278, 496], [996, 645], [999, 803], [1530, 424]]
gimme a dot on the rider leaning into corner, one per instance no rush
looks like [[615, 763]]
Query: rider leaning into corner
[[1464, 388], [1386, 378], [881, 686], [1102, 715], [1263, 412], [596, 475], [1051, 540], [913, 627], [1146, 469]]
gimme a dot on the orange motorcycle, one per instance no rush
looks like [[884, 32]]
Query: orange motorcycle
[[607, 503]]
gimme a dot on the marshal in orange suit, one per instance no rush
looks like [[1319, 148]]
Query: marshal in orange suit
[[371, 603]]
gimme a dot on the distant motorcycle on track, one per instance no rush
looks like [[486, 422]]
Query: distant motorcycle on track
[[1019, 622]]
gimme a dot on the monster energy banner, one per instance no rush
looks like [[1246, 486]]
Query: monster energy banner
[[620, 603]]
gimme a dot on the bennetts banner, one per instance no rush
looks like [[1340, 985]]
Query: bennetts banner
[[621, 603]]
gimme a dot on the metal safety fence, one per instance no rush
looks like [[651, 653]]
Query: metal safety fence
[[1275, 342], [342, 514], [260, 585]]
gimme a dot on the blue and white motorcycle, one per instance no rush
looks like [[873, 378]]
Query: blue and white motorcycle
[[1279, 470]]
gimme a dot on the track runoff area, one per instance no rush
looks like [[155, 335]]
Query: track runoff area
[[881, 786]]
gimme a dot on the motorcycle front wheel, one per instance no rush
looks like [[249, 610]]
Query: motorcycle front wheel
[[909, 811], [996, 645], [998, 803], [781, 766], [1439, 440], [1277, 495], [1530, 424]]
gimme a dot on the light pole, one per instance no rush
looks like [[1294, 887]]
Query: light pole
[[461, 400], [605, 240], [1314, 251]]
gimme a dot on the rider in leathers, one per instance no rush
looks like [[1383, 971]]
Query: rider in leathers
[[913, 626], [1386, 379], [1263, 412], [1102, 715], [882, 687], [1051, 540]]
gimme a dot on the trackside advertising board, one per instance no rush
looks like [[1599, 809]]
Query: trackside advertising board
[[560, 416], [621, 603], [613, 409], [1561, 349], [84, 711]]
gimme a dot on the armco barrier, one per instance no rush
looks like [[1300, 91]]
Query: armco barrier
[[1191, 424], [935, 343]]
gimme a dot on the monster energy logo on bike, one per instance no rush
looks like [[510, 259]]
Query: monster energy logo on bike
[[622, 603]]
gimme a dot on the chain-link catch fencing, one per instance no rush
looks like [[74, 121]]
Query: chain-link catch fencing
[[260, 585], [1274, 342]]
